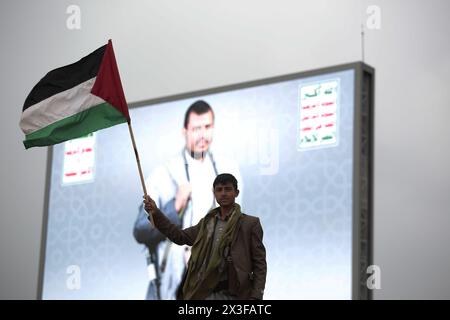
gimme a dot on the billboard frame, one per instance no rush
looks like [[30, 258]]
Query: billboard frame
[[363, 156]]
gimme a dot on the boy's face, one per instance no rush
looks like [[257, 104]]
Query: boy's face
[[225, 194]]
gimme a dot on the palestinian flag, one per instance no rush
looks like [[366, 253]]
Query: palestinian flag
[[74, 100]]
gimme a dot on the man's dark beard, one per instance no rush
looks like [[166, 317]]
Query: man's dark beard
[[198, 155]]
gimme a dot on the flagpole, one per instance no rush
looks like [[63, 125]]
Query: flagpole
[[139, 167]]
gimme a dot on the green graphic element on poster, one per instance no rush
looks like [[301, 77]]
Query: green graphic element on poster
[[318, 115]]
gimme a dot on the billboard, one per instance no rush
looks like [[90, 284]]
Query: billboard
[[301, 148]]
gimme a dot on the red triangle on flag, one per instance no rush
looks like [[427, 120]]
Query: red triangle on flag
[[108, 85]]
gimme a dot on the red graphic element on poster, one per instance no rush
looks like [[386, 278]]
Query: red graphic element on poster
[[79, 160], [318, 115]]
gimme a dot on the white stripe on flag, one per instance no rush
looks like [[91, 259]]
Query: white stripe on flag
[[59, 106]]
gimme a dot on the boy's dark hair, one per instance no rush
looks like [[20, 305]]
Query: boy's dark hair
[[225, 178], [198, 107]]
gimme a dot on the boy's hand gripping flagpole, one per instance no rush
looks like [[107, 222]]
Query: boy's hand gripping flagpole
[[139, 167]]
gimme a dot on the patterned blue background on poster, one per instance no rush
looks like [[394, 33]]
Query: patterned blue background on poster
[[303, 198]]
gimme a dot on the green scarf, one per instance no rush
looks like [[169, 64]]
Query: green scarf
[[203, 273]]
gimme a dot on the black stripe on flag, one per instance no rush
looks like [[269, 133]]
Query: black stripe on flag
[[66, 77]]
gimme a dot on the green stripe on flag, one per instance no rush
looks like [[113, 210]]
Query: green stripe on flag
[[99, 117]]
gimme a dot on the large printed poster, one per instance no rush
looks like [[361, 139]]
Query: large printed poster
[[292, 143]]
